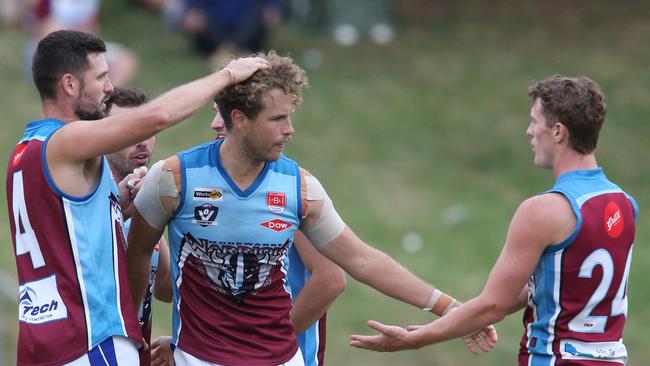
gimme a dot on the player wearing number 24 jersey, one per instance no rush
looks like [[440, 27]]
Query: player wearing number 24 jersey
[[578, 297], [568, 250]]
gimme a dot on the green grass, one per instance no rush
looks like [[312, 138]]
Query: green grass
[[400, 134]]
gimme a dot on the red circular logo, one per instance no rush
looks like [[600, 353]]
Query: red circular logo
[[613, 220], [18, 153]]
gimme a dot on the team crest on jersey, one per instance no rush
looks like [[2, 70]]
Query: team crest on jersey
[[234, 268], [613, 220], [205, 215], [40, 302], [208, 194], [276, 201], [276, 225]]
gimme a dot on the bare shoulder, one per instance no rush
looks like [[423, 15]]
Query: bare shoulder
[[173, 164], [548, 213]]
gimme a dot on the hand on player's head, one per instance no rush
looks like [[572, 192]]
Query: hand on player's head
[[241, 69]]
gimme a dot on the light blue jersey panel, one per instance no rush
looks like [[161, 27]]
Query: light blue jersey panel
[[95, 227], [40, 129], [309, 339]]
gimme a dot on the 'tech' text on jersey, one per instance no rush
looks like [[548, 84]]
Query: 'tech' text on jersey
[[578, 293], [228, 254], [70, 255]]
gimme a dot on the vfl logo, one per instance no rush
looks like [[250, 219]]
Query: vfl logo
[[276, 201], [36, 309], [613, 220], [205, 215], [276, 225], [208, 194]]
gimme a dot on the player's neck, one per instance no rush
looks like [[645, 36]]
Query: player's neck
[[241, 168], [52, 109], [573, 160]]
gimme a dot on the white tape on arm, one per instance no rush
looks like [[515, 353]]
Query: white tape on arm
[[148, 202], [435, 296], [329, 224]]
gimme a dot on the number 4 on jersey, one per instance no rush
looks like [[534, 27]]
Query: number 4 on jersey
[[25, 236]]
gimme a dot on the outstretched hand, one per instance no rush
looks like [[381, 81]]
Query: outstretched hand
[[391, 338], [394, 338], [242, 68], [483, 339]]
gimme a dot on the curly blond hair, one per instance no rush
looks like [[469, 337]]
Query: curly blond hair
[[248, 95]]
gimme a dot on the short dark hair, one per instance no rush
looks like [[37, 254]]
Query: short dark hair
[[126, 97], [247, 96], [59, 53], [576, 102]]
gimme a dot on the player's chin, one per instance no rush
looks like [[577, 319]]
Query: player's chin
[[273, 156]]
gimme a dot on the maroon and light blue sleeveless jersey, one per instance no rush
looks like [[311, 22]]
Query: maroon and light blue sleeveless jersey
[[578, 293], [229, 251], [70, 255]]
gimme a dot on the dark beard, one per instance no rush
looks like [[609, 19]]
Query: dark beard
[[85, 115]]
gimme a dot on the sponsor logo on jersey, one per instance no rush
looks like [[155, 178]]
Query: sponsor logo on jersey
[[613, 220], [205, 215], [40, 302], [208, 194], [19, 153], [276, 225], [276, 201]]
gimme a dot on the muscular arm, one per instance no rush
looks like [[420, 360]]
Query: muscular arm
[[163, 285], [142, 236], [538, 223], [142, 240], [72, 146], [326, 282], [329, 234], [376, 269]]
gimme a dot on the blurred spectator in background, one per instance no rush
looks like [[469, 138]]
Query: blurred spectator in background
[[223, 28], [10, 13], [46, 16], [155, 5]]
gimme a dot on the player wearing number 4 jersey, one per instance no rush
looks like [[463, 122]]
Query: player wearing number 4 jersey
[[568, 250], [66, 211]]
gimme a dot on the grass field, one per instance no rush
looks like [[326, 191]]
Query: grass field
[[426, 136]]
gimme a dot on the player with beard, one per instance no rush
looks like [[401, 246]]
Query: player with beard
[[314, 282], [133, 161], [232, 207], [65, 209]]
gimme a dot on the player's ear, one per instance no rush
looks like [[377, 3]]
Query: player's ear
[[560, 132], [69, 84], [238, 118]]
